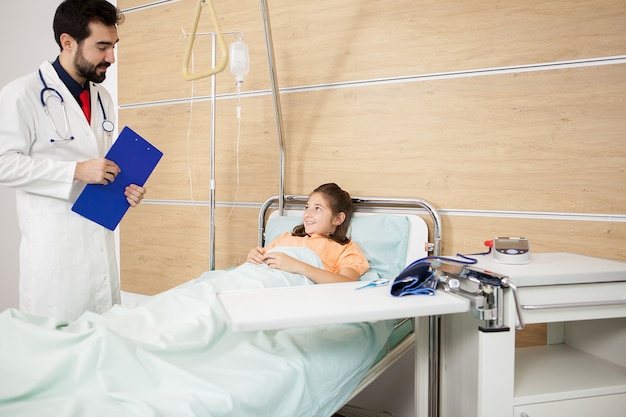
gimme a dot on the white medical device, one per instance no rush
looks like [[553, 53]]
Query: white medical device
[[511, 250]]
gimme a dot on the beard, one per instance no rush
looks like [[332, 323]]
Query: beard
[[86, 69]]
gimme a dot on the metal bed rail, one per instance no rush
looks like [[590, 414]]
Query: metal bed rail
[[364, 204]]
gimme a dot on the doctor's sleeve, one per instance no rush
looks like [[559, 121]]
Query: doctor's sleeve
[[23, 164]]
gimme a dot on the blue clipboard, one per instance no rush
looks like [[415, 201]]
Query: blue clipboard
[[106, 204]]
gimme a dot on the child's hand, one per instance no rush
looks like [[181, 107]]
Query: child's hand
[[282, 261], [256, 255]]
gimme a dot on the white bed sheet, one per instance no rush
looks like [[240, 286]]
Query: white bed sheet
[[173, 355]]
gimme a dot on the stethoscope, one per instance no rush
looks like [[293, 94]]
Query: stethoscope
[[107, 125]]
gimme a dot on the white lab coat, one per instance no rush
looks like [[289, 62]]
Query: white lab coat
[[67, 263]]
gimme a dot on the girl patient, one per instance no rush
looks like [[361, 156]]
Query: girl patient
[[326, 220]]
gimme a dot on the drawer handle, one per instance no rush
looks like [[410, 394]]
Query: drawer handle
[[574, 305]]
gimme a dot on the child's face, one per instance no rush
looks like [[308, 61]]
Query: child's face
[[318, 217]]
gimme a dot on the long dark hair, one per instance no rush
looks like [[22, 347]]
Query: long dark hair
[[339, 201], [73, 17]]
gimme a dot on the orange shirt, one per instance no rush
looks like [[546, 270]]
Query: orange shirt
[[334, 256]]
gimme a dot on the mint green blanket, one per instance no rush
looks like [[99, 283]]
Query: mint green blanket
[[173, 355]]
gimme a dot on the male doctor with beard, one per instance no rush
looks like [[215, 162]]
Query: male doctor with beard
[[56, 125]]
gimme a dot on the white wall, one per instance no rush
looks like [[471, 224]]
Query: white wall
[[28, 40]]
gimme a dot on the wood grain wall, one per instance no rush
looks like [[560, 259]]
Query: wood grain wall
[[508, 116]]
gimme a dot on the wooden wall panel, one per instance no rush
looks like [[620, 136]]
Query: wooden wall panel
[[162, 246], [165, 245], [246, 163], [528, 139], [126, 4], [152, 47], [605, 239], [532, 335], [540, 141], [547, 140], [328, 41]]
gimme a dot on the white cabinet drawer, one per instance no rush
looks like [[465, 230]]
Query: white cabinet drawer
[[550, 303], [605, 406]]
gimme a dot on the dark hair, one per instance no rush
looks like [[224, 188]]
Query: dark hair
[[73, 17], [339, 201]]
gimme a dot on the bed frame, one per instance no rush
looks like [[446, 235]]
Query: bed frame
[[415, 206], [138, 341]]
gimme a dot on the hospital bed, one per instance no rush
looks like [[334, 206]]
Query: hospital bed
[[397, 233], [176, 354]]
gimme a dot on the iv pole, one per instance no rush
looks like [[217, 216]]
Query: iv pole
[[215, 36], [269, 43]]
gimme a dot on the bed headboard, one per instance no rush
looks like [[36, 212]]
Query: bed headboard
[[391, 232]]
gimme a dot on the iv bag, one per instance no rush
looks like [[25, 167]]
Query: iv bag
[[239, 60]]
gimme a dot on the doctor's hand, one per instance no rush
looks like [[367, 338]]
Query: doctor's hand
[[96, 171], [134, 194]]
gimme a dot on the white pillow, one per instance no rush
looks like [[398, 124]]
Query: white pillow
[[383, 238]]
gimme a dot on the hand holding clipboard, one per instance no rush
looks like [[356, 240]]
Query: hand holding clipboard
[[106, 204]]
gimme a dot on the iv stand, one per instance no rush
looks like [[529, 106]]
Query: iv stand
[[214, 37], [212, 163], [190, 77], [213, 76]]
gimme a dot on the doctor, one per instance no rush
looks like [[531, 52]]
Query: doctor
[[52, 143]]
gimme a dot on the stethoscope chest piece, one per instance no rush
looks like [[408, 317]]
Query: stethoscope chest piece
[[108, 126]]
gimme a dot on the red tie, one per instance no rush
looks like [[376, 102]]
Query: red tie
[[85, 104]]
